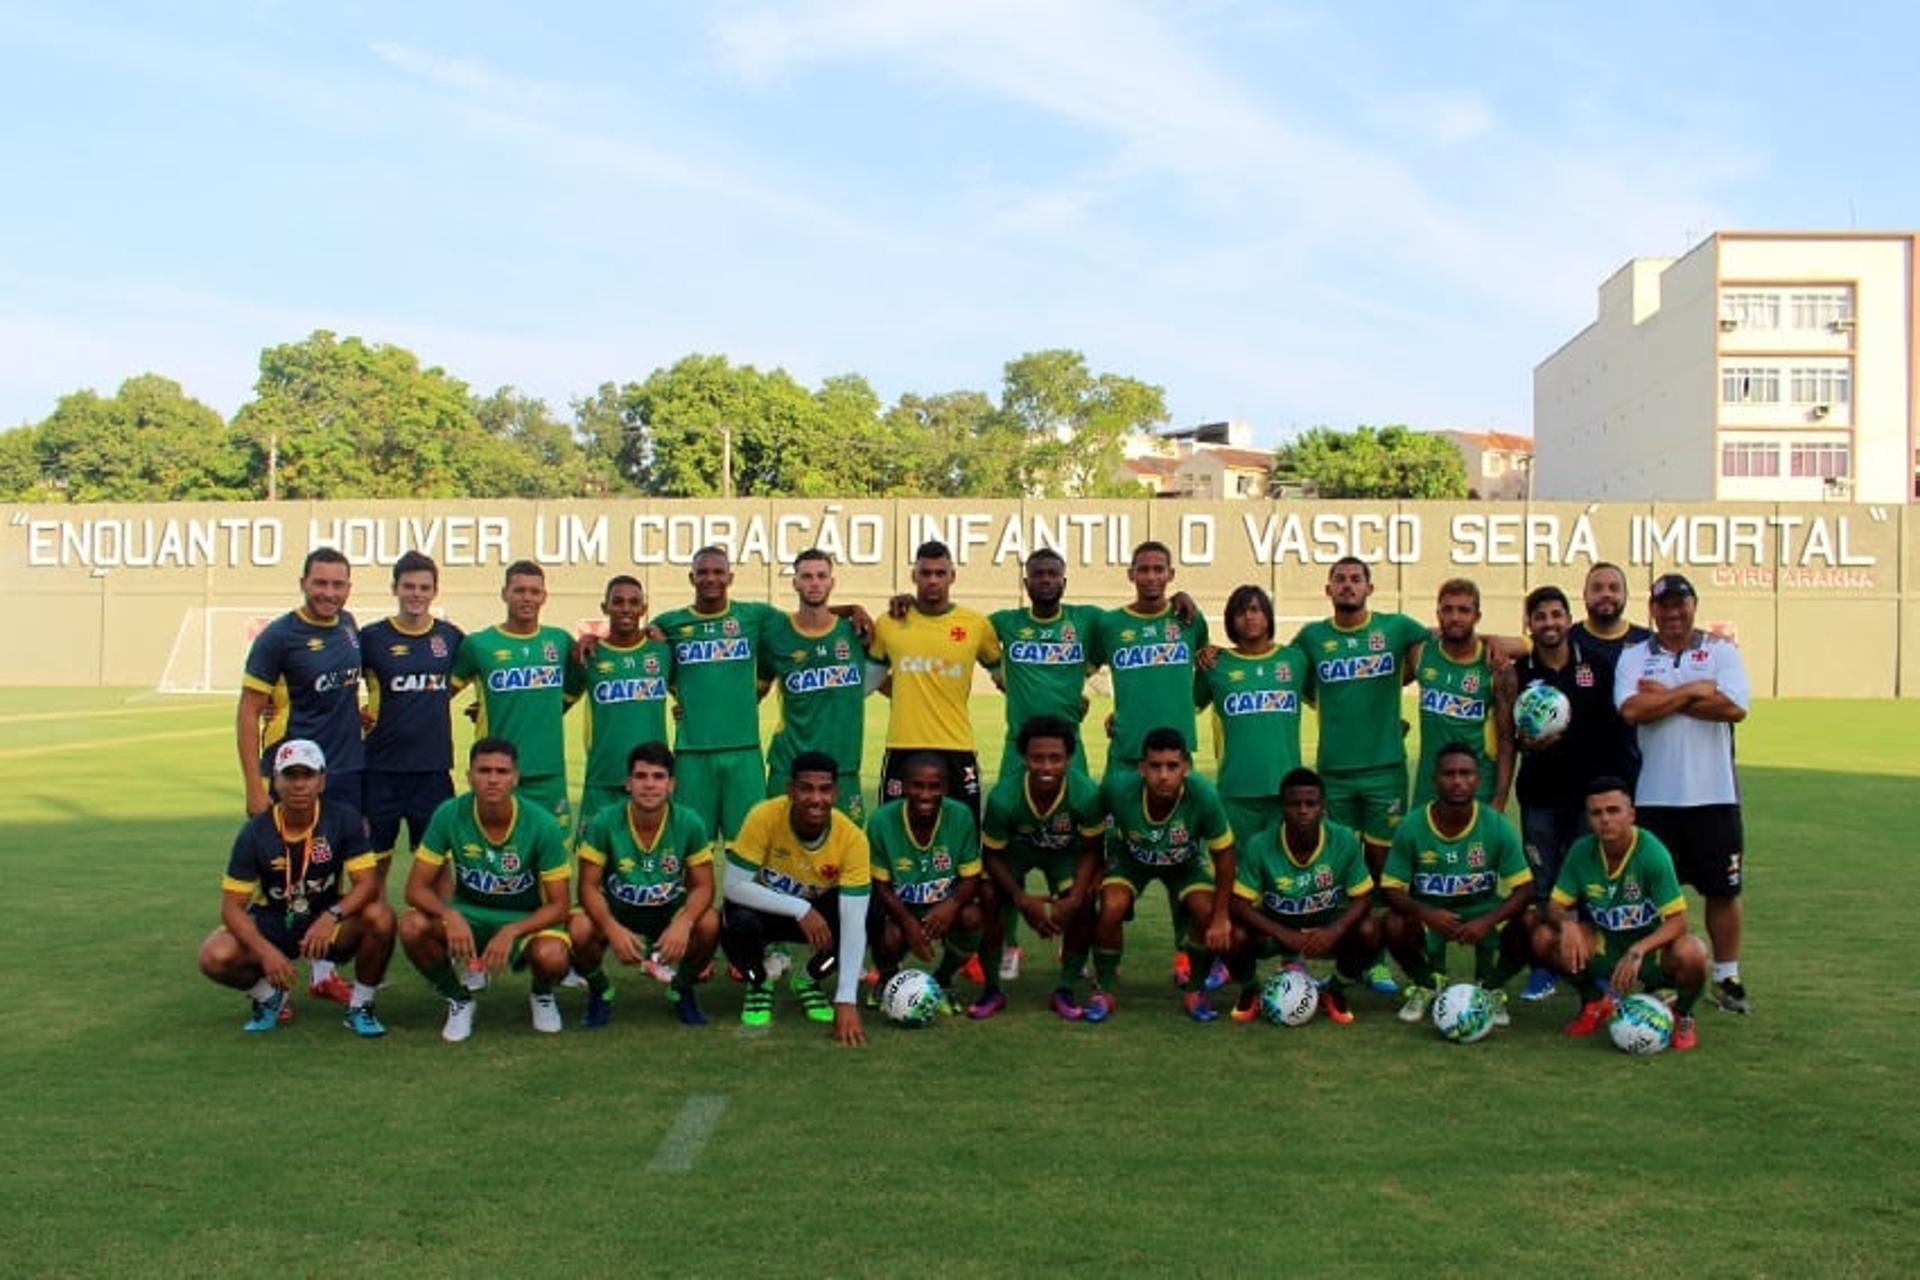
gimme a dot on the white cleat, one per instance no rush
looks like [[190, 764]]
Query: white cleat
[[546, 1014], [459, 1021], [573, 979], [1009, 964], [474, 979]]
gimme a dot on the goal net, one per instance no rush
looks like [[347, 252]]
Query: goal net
[[210, 648]]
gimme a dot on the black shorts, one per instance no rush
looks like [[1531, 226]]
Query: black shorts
[[273, 927], [963, 775], [1708, 842], [396, 797]]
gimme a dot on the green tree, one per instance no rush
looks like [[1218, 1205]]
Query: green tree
[[550, 461], [1375, 462], [20, 478], [950, 445], [148, 442], [1075, 422]]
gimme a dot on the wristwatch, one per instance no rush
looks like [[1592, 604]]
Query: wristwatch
[[336, 912]]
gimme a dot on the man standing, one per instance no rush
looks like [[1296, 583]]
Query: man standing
[[1046, 647], [1605, 628], [813, 656], [1150, 651], [1684, 690], [281, 898], [1463, 698], [520, 669], [1254, 688], [799, 871], [510, 891], [1555, 770], [624, 679]]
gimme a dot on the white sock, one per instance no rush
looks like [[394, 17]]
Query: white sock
[[362, 995], [322, 970], [1725, 972], [260, 992]]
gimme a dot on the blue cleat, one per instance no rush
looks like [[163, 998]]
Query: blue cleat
[[1216, 975], [1380, 979], [266, 1013], [686, 1007], [1541, 985], [361, 1021], [599, 1011], [1199, 1008]]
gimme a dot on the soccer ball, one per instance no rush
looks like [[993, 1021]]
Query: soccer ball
[[1290, 997], [911, 998], [1541, 711], [1463, 1013], [1642, 1024]]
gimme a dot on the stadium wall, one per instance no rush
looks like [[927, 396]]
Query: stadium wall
[[1824, 599]]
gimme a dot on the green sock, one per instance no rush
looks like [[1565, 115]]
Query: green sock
[[954, 955], [1009, 924], [1106, 965], [684, 979], [446, 982], [597, 981], [989, 961], [1683, 1000], [1073, 969], [1587, 985], [541, 987]]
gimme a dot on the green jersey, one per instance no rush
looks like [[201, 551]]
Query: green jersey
[[1468, 874], [1258, 701], [1456, 705], [1299, 892], [626, 691], [503, 875], [1354, 676], [1151, 660], [522, 688], [823, 700], [1196, 824], [1013, 821], [642, 874], [923, 875], [1044, 662], [716, 674], [1628, 902]]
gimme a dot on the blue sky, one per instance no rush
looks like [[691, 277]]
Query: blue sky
[[1289, 213]]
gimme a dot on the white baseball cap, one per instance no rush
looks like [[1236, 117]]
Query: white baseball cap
[[299, 753]]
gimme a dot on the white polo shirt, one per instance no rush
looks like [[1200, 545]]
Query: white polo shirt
[[1684, 760]]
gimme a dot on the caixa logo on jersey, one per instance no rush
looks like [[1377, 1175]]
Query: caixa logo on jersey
[[512, 679], [329, 681], [1454, 706], [642, 689], [645, 895], [1261, 702], [418, 682], [693, 651], [1047, 653], [1152, 655], [1336, 670], [483, 881]]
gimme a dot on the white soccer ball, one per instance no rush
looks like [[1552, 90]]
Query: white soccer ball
[[1463, 1013], [778, 963], [1641, 1025], [1541, 711], [1290, 997], [911, 998]]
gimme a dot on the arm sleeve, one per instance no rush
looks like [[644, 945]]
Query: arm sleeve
[[853, 947], [263, 661], [989, 651], [1626, 680], [743, 889], [243, 874], [1397, 873]]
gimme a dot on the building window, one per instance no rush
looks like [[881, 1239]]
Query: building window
[[1827, 385], [1751, 310], [1821, 308], [1493, 463], [1244, 485], [1744, 459], [1825, 461], [1749, 385]]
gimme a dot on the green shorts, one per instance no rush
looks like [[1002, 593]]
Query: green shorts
[[1057, 869], [485, 922], [593, 799], [1250, 815], [721, 786], [550, 793], [1371, 801], [1181, 879], [1266, 947], [648, 922], [1653, 974], [850, 800]]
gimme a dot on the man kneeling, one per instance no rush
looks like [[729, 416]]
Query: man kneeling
[[925, 852], [510, 891], [646, 881]]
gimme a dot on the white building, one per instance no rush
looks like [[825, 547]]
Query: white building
[[1497, 463], [1212, 460], [1774, 366]]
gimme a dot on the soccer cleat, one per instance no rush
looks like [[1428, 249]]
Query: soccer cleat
[[361, 1021], [818, 1008], [266, 1013], [1541, 985], [574, 978], [286, 1009], [1335, 1004], [686, 1007], [1418, 999], [757, 1009], [546, 1013], [475, 979], [1501, 1018], [599, 1011], [1685, 1035], [1199, 1008], [657, 969], [989, 1003], [1731, 995], [332, 987], [1182, 968], [949, 1007], [972, 971], [1592, 1016], [459, 1023], [1217, 975], [1065, 1005], [1098, 1008], [1247, 1007], [1380, 980], [1009, 964]]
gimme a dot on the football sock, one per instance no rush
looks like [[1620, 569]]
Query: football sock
[[685, 977], [260, 992], [443, 980], [324, 969], [363, 995], [1202, 960], [597, 981], [1009, 925], [1073, 969], [540, 986], [1588, 986], [989, 958], [1683, 1000], [1726, 972], [1106, 965], [961, 945], [1241, 969]]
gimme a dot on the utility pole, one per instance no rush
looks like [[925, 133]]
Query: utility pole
[[726, 462], [273, 468]]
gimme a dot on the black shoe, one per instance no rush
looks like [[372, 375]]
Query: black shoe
[[1731, 996]]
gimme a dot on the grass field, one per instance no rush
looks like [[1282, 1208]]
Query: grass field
[[142, 1132]]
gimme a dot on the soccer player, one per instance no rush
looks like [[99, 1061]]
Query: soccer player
[[925, 853], [814, 657], [1300, 892], [510, 891], [624, 680], [1631, 921], [1464, 697], [799, 871], [1045, 649], [1554, 771], [646, 883], [1254, 688], [1168, 825], [1047, 816], [1150, 651], [716, 658], [1605, 628], [1685, 689], [1357, 660], [519, 670], [408, 662], [281, 899], [1456, 873]]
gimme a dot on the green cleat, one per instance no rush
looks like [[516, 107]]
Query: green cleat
[[811, 998], [757, 1011]]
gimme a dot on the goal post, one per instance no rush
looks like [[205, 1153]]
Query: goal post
[[210, 648]]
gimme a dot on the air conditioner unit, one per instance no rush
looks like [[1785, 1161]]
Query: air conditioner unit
[[1843, 325], [1819, 411], [1728, 324]]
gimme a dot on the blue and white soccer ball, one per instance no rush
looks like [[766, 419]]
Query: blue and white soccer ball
[[1290, 997], [1463, 1013], [911, 998], [1641, 1025], [1541, 711]]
